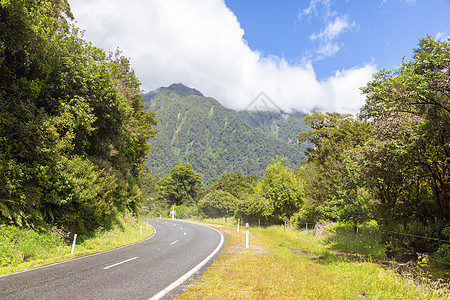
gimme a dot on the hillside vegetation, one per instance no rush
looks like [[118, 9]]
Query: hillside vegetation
[[390, 165], [73, 132], [215, 140]]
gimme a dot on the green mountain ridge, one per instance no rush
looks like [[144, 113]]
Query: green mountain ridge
[[215, 140]]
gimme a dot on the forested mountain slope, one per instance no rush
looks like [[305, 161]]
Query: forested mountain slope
[[279, 124], [215, 140]]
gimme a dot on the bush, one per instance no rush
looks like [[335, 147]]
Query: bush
[[218, 204], [186, 212], [18, 245], [442, 255]]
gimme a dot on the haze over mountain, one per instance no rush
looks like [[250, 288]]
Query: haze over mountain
[[215, 140]]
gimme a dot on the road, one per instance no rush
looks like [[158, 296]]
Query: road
[[150, 269]]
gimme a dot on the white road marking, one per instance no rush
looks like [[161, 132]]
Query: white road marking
[[175, 242], [188, 274], [119, 263], [185, 233], [83, 257]]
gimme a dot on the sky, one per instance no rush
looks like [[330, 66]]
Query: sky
[[305, 55]]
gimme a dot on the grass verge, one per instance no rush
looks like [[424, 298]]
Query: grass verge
[[22, 249], [280, 265]]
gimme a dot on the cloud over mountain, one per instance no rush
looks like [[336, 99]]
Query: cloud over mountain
[[200, 43]]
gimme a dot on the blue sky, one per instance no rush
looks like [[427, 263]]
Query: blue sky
[[304, 55], [382, 32]]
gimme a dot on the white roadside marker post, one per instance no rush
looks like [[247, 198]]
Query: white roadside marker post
[[141, 229], [73, 244], [239, 221], [172, 212], [246, 235]]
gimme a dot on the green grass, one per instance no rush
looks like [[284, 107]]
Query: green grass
[[280, 265], [23, 249], [343, 237]]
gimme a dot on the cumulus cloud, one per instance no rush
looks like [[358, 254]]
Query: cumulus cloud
[[328, 36], [200, 43]]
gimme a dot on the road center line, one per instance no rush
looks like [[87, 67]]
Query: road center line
[[119, 263], [175, 242]]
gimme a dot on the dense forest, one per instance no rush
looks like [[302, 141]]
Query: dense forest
[[73, 132], [215, 140]]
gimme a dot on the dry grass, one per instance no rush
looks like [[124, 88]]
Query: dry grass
[[280, 265]]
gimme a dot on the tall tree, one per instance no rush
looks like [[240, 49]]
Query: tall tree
[[71, 117], [280, 191], [182, 186], [333, 135], [407, 158]]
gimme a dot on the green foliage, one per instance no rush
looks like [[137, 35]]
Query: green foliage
[[73, 132], [251, 209], [236, 184], [342, 236], [215, 140], [278, 124], [442, 256], [182, 186], [18, 245], [277, 196], [186, 212], [332, 192], [281, 191], [406, 160], [218, 204]]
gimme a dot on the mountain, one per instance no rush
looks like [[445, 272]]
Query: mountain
[[279, 124], [215, 140]]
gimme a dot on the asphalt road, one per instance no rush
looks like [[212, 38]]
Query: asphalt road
[[151, 268]]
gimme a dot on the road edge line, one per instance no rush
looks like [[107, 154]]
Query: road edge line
[[183, 278], [82, 257]]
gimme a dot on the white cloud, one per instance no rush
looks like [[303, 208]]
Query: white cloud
[[442, 36], [334, 29], [200, 43], [328, 36], [335, 25], [312, 9]]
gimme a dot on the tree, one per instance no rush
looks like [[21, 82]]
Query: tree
[[236, 184], [407, 158], [218, 204], [71, 117], [182, 186], [324, 175], [280, 191]]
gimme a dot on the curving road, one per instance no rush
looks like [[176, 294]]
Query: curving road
[[154, 268]]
